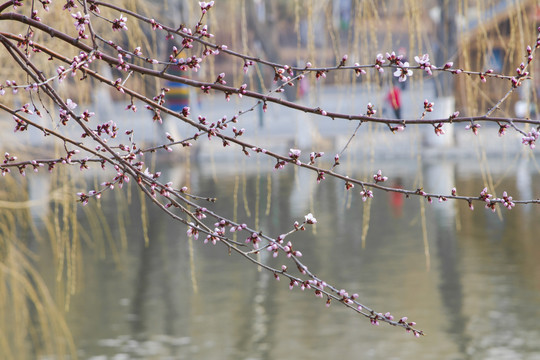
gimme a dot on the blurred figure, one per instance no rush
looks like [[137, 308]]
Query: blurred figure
[[394, 99], [397, 199], [178, 95]]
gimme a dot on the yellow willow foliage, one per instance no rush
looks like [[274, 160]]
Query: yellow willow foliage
[[122, 204], [373, 27], [257, 193], [425, 234], [63, 22], [366, 215], [33, 302], [28, 311], [144, 219], [297, 30], [244, 191], [235, 203], [268, 193], [507, 34], [31, 324], [332, 33]]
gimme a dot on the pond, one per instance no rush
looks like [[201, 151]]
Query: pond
[[137, 288]]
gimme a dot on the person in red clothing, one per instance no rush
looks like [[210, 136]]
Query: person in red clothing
[[397, 199], [394, 99]]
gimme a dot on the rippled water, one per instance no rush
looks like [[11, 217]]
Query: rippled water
[[474, 287]]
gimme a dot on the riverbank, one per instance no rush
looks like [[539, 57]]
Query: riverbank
[[281, 128]]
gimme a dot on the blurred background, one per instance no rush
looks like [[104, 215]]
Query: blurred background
[[116, 279]]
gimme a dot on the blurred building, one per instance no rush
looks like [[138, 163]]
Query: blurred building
[[495, 37]]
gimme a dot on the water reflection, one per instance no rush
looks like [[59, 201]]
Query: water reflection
[[440, 177], [478, 299]]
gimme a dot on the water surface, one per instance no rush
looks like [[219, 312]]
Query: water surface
[[474, 287]]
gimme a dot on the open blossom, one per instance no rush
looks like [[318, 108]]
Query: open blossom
[[205, 6], [424, 63], [378, 177], [530, 139], [379, 61], [70, 4], [366, 194], [290, 251], [393, 58], [294, 153], [313, 156], [359, 71], [120, 23], [473, 127], [422, 60], [192, 231], [70, 104], [502, 129], [397, 128], [254, 239], [484, 195], [507, 201], [403, 71], [439, 130], [81, 21], [370, 110], [310, 219], [274, 248]]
